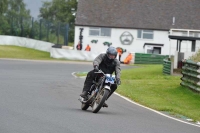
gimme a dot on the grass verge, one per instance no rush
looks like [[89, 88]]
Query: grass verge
[[17, 52], [148, 86]]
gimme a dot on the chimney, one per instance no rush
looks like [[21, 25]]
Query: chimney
[[173, 21]]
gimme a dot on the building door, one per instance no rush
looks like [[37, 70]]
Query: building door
[[154, 50], [157, 50]]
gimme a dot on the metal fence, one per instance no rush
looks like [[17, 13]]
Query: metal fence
[[141, 58], [191, 75], [40, 29]]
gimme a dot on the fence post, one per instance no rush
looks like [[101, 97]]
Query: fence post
[[66, 35], [172, 64], [40, 36], [32, 29], [47, 31], [167, 66], [22, 29], [58, 32], [11, 30]]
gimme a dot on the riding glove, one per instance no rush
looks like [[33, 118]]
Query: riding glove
[[118, 82], [96, 69]]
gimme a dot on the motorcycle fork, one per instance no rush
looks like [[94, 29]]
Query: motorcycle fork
[[99, 95]]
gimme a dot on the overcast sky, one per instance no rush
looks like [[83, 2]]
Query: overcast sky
[[34, 6]]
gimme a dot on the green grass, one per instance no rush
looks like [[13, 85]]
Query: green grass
[[148, 86], [81, 74], [145, 85], [22, 53], [16, 52]]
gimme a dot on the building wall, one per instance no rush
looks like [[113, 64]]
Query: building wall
[[160, 37], [185, 45]]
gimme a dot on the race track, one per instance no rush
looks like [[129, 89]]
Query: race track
[[42, 97]]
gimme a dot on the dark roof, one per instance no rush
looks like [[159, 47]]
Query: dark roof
[[139, 14], [186, 38]]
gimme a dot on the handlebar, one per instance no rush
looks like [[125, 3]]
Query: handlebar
[[100, 71]]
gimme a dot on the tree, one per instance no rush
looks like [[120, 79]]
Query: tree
[[46, 11], [3, 6], [60, 11], [12, 16], [18, 17], [3, 22], [17, 8]]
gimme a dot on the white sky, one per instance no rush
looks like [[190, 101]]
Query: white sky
[[34, 6]]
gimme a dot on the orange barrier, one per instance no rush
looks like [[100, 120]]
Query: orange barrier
[[128, 59]]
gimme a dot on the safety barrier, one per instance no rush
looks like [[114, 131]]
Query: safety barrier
[[191, 75], [25, 42], [73, 54], [65, 52], [167, 67], [141, 58]]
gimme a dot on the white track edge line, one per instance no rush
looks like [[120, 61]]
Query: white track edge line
[[154, 110], [73, 74]]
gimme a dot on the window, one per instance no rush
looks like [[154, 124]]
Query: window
[[105, 32], [100, 32], [145, 34], [184, 33], [193, 34], [94, 31], [193, 46]]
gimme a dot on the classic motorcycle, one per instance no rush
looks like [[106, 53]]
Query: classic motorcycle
[[99, 91]]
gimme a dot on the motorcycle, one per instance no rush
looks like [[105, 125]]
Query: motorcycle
[[99, 92]]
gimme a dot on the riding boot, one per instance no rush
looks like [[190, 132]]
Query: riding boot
[[84, 94], [105, 105]]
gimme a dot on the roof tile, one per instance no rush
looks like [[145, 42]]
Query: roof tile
[[144, 14]]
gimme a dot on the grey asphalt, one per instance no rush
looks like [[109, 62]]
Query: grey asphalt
[[42, 97]]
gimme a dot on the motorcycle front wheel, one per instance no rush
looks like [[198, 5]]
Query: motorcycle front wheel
[[100, 99], [84, 106]]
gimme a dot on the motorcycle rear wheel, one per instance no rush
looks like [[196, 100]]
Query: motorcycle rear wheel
[[99, 101]]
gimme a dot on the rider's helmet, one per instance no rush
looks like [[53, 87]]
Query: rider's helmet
[[111, 53]]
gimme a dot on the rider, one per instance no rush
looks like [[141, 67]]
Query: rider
[[108, 63]]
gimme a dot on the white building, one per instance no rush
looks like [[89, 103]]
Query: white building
[[137, 26]]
